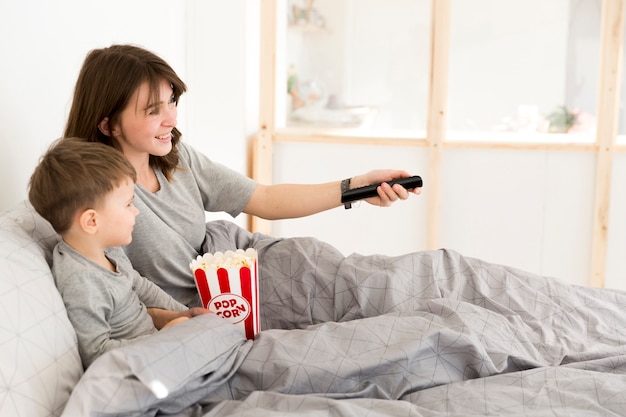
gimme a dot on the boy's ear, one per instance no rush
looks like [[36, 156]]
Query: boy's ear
[[88, 221]]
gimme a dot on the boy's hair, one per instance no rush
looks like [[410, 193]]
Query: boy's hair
[[74, 175], [106, 83]]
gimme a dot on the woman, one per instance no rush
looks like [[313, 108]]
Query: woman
[[466, 318], [126, 97]]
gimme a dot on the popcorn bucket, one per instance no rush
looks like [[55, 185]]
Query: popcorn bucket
[[228, 285]]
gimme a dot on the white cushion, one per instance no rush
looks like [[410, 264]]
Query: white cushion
[[40, 362]]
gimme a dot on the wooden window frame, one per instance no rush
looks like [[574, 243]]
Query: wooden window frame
[[609, 80]]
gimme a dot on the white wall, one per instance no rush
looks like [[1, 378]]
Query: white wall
[[534, 215], [527, 209], [45, 42], [616, 266], [222, 57], [365, 228], [43, 46], [222, 48], [531, 210]]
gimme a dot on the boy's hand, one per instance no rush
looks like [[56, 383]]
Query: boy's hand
[[186, 315], [161, 317], [196, 311], [175, 321]]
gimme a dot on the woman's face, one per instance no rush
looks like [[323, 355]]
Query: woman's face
[[145, 127]]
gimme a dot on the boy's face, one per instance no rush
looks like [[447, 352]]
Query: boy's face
[[117, 215]]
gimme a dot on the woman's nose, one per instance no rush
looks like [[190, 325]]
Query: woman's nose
[[171, 116]]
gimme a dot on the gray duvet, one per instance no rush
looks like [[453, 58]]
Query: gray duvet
[[425, 334]]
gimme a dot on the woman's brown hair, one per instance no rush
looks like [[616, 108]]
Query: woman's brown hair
[[106, 82]]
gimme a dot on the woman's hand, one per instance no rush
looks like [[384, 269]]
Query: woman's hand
[[287, 201], [387, 194]]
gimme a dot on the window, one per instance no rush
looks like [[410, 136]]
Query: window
[[359, 64], [449, 75], [516, 70]]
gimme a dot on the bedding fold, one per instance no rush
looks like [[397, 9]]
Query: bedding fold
[[426, 334]]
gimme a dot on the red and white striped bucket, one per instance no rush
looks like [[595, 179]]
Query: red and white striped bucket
[[228, 285]]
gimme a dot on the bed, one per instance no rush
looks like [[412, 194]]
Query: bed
[[482, 339]]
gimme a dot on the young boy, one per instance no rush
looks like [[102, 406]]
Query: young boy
[[86, 192]]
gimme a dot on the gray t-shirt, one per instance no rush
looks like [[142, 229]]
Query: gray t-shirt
[[107, 309], [171, 226]]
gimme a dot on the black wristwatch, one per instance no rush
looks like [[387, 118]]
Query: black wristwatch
[[345, 186]]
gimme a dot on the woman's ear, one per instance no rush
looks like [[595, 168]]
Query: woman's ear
[[105, 127], [88, 221]]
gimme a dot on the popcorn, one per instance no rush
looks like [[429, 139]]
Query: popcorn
[[228, 285]]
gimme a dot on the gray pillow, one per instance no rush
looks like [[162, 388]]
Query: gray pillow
[[40, 362]]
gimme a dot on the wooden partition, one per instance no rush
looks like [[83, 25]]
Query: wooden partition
[[610, 73], [612, 38]]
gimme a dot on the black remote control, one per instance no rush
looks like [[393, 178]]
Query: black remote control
[[370, 190]]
